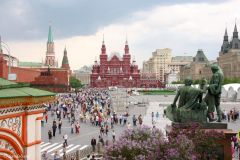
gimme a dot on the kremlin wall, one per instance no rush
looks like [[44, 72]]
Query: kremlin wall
[[47, 77]]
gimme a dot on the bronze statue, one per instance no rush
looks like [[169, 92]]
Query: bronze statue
[[190, 107], [214, 93]]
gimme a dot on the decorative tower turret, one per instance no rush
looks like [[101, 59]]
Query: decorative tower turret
[[235, 32], [126, 58], [225, 45], [50, 54], [235, 41], [65, 63], [103, 58], [126, 49]]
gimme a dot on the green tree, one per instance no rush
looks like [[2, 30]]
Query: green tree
[[75, 83]]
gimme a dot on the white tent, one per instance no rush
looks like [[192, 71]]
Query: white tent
[[229, 91], [232, 94], [238, 94]]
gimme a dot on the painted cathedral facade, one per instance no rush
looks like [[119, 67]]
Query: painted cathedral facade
[[115, 70]]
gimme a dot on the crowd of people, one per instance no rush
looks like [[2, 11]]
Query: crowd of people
[[230, 116], [89, 106]]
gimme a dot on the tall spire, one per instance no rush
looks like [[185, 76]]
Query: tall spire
[[226, 35], [103, 49], [50, 54], [103, 39], [65, 63], [126, 48], [50, 35], [235, 32]]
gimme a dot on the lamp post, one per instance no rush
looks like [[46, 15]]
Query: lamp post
[[6, 47]]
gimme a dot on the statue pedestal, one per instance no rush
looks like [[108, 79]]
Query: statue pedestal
[[219, 127]]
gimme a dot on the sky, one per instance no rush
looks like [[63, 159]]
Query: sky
[[182, 25]]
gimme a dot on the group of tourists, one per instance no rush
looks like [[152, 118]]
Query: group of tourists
[[230, 116], [90, 106]]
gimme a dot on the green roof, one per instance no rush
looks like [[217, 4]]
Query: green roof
[[10, 89], [4, 82], [50, 35], [24, 92], [30, 64]]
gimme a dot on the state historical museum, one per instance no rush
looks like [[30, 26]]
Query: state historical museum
[[115, 70]]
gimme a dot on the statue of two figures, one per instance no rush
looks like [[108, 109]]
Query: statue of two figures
[[192, 107]]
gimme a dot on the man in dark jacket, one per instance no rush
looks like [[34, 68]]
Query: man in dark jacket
[[93, 143]]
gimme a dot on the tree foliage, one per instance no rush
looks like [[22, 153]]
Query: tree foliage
[[190, 143], [75, 83], [231, 80]]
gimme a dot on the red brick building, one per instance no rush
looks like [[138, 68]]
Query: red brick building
[[115, 70], [47, 77]]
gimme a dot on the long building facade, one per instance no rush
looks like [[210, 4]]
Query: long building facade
[[115, 70]]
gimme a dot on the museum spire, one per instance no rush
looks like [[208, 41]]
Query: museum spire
[[126, 48], [103, 49]]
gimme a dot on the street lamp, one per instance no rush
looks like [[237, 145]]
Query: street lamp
[[7, 48]]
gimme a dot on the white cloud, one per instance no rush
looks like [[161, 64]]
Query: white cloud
[[183, 28]]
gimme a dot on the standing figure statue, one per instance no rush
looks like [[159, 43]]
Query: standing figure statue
[[213, 96]]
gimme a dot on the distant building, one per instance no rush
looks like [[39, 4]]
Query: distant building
[[162, 64], [198, 69], [83, 74], [229, 55], [158, 63], [115, 70]]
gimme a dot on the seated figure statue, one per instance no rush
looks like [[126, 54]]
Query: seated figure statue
[[190, 107]]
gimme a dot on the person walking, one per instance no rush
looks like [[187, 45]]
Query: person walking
[[46, 117], [113, 135], [65, 138], [101, 131], [60, 126], [44, 155], [77, 128], [157, 115], [49, 135], [93, 144], [56, 156], [152, 116], [140, 119], [54, 128], [120, 119], [106, 129], [64, 151], [134, 120], [72, 127]]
